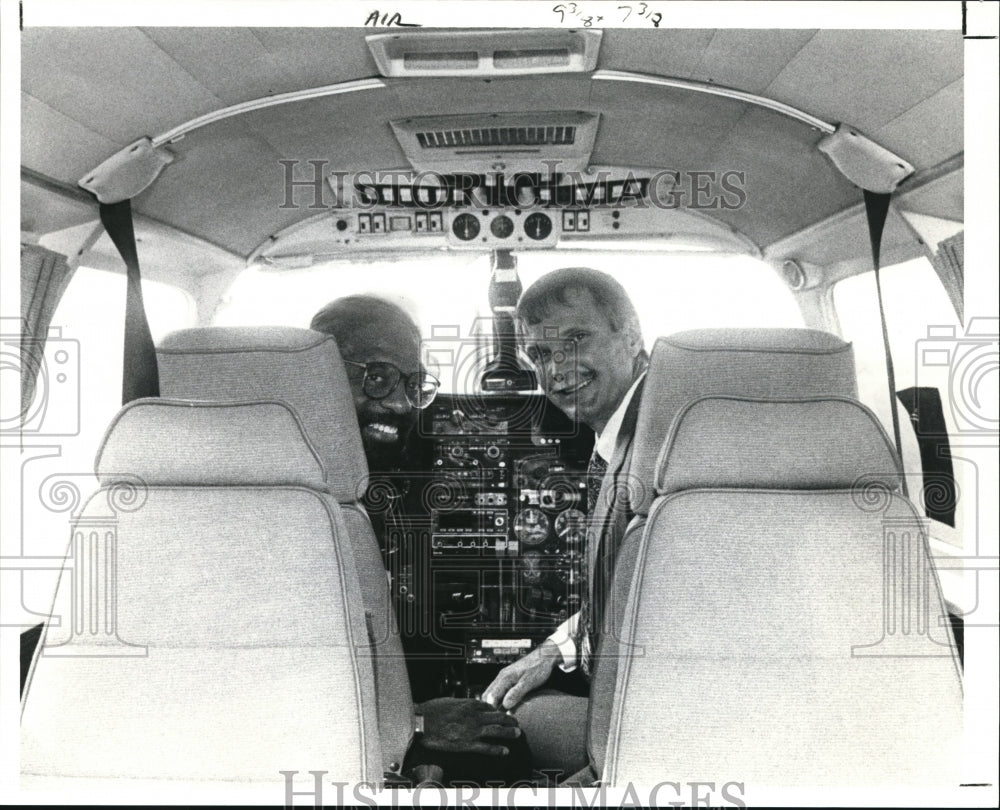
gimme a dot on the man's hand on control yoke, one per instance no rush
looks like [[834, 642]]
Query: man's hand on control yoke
[[514, 681], [456, 725]]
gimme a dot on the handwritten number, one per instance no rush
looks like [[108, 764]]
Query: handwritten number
[[590, 19]]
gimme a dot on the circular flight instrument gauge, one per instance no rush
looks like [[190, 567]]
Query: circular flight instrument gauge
[[465, 227], [502, 227], [537, 226], [531, 526], [572, 521]]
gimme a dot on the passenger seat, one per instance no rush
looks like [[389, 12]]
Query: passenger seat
[[744, 362], [304, 369], [785, 626], [208, 625]]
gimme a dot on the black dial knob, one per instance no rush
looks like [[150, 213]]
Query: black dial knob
[[465, 227], [537, 225], [502, 227]]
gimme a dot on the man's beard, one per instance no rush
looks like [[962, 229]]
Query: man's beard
[[384, 435]]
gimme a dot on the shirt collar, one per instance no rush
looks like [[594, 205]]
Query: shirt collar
[[605, 442]]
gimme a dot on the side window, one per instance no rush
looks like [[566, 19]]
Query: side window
[[672, 292], [926, 340], [74, 404], [92, 314], [445, 295]]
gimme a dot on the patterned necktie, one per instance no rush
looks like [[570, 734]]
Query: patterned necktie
[[595, 477]]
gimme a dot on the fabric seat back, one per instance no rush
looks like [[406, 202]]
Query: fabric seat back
[[304, 369], [785, 625], [682, 367], [771, 363], [207, 625]]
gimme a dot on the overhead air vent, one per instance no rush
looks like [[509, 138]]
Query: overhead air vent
[[482, 143], [485, 53], [491, 137]]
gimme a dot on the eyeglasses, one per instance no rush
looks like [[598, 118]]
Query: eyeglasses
[[381, 380]]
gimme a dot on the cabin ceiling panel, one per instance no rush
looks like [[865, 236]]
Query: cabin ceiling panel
[[233, 64], [232, 202], [943, 197], [70, 71], [328, 128], [163, 255], [901, 69], [43, 211], [846, 240], [415, 97], [749, 60], [928, 132], [789, 183], [78, 81], [57, 146], [658, 126], [666, 52], [319, 56]]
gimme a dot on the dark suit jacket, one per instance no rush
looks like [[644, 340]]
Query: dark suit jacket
[[612, 515], [612, 512]]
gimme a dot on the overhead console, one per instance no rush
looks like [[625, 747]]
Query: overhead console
[[403, 210]]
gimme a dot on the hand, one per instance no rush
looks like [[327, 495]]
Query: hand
[[515, 680], [457, 725]]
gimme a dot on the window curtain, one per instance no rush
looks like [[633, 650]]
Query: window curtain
[[44, 277]]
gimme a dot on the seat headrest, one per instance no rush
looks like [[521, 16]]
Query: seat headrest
[[297, 366], [814, 443], [769, 363], [165, 442]]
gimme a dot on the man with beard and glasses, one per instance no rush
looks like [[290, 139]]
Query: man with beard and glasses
[[380, 347], [581, 332]]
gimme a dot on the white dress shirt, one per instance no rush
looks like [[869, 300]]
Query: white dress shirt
[[564, 636]]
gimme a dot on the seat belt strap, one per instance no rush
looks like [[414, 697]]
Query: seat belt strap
[[140, 374], [877, 209]]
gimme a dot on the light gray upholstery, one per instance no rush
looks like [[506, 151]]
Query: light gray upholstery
[[297, 366], [204, 632], [250, 432], [304, 369], [770, 363], [784, 635], [796, 444]]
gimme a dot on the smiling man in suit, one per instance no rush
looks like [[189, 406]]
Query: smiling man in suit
[[581, 331]]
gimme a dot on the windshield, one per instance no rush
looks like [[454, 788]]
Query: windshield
[[447, 293]]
